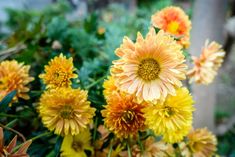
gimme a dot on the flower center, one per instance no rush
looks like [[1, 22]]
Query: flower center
[[148, 69], [173, 27], [77, 146], [66, 112], [128, 116], [168, 111]]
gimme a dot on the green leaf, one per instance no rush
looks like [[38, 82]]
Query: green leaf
[[7, 99], [58, 145]]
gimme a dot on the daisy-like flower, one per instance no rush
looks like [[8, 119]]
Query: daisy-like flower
[[151, 68], [59, 72], [9, 150], [151, 148], [206, 66], [202, 143], [123, 116], [75, 146], [173, 118], [14, 76], [65, 111], [174, 21]]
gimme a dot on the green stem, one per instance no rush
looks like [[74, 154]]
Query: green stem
[[10, 115], [110, 149], [128, 149], [34, 138], [95, 128], [141, 145], [11, 123], [96, 82]]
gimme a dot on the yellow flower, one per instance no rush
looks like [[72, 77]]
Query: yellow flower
[[151, 68], [65, 111], [109, 87], [14, 76], [123, 116], [174, 21], [59, 72], [202, 143], [206, 66], [173, 118], [75, 146]]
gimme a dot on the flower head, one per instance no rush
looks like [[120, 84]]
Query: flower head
[[207, 65], [65, 111], [123, 116], [75, 146], [109, 87], [173, 118], [9, 150], [202, 143], [151, 68], [151, 148], [14, 76], [174, 21], [59, 72]]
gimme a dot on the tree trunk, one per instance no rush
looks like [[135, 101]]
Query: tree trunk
[[207, 23]]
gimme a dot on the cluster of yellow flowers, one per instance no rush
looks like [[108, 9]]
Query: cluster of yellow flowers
[[143, 92]]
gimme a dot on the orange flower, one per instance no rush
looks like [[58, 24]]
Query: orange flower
[[206, 66], [14, 76], [59, 72], [173, 20], [151, 68], [123, 116]]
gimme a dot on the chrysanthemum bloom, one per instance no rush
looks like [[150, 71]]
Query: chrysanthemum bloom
[[151, 68], [65, 111], [14, 76], [123, 116], [173, 118], [202, 143], [174, 21], [9, 150], [151, 148], [207, 65], [109, 87], [59, 72], [75, 146]]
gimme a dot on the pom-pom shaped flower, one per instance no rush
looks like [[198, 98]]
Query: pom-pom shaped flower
[[202, 143], [65, 111], [109, 87], [14, 76], [123, 116], [59, 72], [174, 21], [151, 68], [206, 66], [173, 118], [75, 146]]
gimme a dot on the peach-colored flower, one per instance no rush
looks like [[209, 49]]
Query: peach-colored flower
[[206, 66], [151, 148], [202, 143], [151, 68], [174, 21]]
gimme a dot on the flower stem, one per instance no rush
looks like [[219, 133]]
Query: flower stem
[[128, 149], [110, 149], [96, 82]]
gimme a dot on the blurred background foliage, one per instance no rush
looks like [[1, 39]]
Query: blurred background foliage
[[36, 36]]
